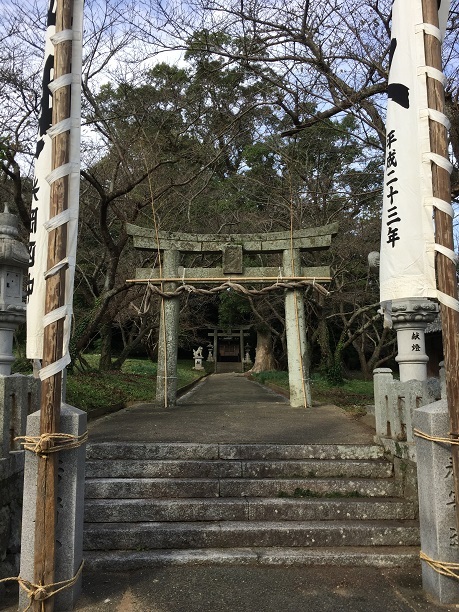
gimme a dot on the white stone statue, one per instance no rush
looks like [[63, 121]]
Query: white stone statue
[[197, 354]]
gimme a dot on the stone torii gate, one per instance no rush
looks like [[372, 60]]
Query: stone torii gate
[[233, 247]]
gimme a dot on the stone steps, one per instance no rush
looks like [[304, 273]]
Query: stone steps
[[259, 452], [240, 534], [307, 468], [247, 509], [117, 488], [357, 556], [269, 504]]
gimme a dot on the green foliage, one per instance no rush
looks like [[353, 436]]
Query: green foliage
[[21, 365], [135, 383], [351, 395], [233, 309], [334, 370], [278, 378]]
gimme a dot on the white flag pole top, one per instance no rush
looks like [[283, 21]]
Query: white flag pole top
[[407, 264], [41, 224]]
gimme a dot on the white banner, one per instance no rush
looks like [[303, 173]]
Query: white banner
[[41, 224], [407, 263]]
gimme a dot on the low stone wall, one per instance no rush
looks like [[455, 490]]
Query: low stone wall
[[395, 403]]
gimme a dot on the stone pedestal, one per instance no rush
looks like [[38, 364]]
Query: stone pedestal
[[410, 318], [295, 329], [70, 506], [198, 364], [437, 516], [166, 380]]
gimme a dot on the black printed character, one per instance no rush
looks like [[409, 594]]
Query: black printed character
[[45, 119], [397, 92]]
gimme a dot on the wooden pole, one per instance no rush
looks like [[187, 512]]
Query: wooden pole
[[45, 523], [445, 267]]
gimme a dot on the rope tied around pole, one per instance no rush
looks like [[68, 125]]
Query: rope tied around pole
[[446, 568], [48, 443], [439, 439], [41, 592]]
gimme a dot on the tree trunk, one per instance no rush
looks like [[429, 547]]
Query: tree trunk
[[323, 340], [105, 362], [264, 357]]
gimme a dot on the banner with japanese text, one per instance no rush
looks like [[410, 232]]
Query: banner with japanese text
[[40, 222], [407, 256]]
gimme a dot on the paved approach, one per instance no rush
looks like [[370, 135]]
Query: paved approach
[[230, 408]]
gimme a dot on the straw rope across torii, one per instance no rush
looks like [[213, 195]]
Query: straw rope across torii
[[170, 279]]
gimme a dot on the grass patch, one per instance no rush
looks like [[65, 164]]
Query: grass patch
[[299, 492], [136, 382], [352, 396], [280, 379]]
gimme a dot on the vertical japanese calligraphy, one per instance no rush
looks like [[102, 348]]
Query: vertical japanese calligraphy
[[391, 178], [40, 223], [39, 214], [407, 267]]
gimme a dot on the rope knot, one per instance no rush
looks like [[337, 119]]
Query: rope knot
[[48, 443], [39, 594]]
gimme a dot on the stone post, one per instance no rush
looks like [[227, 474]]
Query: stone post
[[70, 507], [382, 380], [437, 516], [410, 318], [298, 360], [18, 395], [241, 348], [166, 381]]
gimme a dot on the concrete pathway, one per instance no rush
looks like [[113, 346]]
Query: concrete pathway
[[230, 408]]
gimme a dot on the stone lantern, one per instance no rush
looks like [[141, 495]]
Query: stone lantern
[[14, 260]]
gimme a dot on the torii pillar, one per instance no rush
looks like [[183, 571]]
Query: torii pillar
[[166, 375], [295, 329]]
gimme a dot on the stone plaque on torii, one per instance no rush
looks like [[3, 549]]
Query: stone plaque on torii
[[233, 247]]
